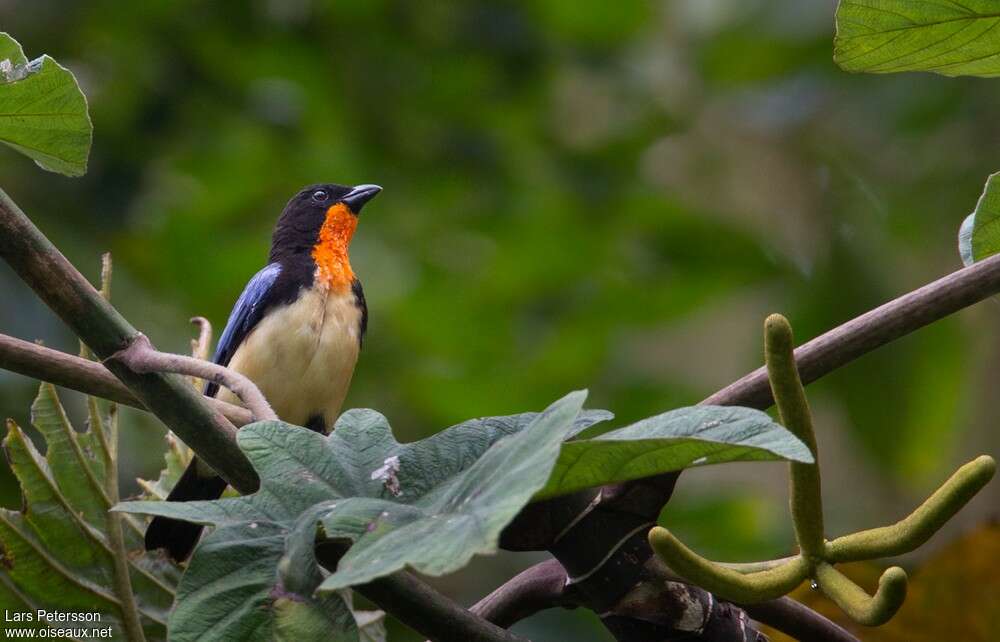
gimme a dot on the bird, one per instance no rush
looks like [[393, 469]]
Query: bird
[[295, 331]]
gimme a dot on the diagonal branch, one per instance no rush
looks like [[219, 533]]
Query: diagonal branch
[[54, 279], [872, 330], [419, 606]]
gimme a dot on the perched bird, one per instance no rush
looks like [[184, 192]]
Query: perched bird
[[295, 332]]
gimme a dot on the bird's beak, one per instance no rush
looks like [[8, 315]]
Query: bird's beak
[[360, 195]]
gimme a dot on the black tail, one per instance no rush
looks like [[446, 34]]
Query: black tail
[[179, 538]]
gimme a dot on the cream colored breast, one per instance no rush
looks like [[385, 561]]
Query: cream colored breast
[[302, 355]]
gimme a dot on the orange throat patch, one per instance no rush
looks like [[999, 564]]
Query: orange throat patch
[[333, 266]]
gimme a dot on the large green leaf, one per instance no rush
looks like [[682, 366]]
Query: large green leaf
[[56, 553], [43, 112], [681, 438], [979, 235], [944, 36], [446, 498]]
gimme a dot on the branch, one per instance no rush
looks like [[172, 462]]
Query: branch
[[105, 331], [419, 606], [140, 356], [542, 586], [871, 330], [89, 377]]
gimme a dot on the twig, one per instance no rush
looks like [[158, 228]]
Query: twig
[[140, 356], [871, 330], [200, 347], [100, 326], [89, 377]]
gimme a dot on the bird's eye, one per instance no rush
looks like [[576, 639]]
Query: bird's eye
[[319, 196]]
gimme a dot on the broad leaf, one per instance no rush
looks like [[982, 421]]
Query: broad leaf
[[43, 112], [56, 553], [979, 235], [681, 438], [431, 505], [944, 36]]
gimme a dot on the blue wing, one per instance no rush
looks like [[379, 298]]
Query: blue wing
[[257, 297]]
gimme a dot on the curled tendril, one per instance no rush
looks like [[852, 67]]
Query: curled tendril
[[760, 581]]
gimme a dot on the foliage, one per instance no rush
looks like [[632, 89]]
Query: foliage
[[43, 113], [946, 37], [674, 440], [57, 553], [430, 505]]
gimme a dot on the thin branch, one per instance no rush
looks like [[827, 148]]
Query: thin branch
[[71, 296], [797, 620], [89, 377], [140, 356], [871, 330]]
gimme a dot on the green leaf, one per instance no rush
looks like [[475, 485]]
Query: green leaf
[[441, 531], [681, 438], [56, 552], [430, 505], [43, 112], [944, 36], [979, 235]]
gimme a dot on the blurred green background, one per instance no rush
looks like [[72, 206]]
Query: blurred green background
[[577, 194]]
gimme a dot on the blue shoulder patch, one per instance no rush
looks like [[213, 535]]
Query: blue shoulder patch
[[247, 312]]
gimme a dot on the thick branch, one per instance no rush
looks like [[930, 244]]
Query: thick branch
[[429, 613], [544, 586], [140, 356], [89, 377], [871, 330], [105, 331], [419, 606]]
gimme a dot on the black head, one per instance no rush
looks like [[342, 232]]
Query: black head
[[297, 230]]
